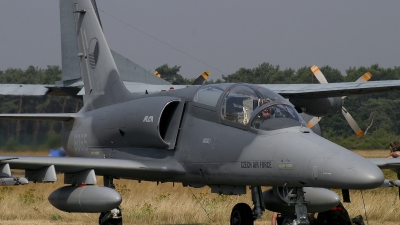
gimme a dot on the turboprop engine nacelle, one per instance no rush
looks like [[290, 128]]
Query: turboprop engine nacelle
[[88, 199], [319, 200], [318, 106]]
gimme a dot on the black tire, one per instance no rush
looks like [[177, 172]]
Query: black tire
[[115, 222], [242, 215], [111, 221]]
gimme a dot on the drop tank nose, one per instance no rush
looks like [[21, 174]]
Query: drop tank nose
[[350, 171]]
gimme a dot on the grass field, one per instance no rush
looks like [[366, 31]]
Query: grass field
[[149, 203]]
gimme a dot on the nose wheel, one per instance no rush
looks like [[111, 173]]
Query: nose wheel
[[242, 215], [113, 217]]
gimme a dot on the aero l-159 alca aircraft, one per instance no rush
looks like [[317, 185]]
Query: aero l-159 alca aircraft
[[216, 135]]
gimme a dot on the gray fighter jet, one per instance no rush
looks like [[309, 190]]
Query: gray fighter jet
[[225, 136]]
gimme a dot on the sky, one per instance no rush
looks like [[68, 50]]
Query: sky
[[221, 36]]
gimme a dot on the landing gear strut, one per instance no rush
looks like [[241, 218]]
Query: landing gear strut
[[301, 208], [114, 216], [242, 213], [294, 196]]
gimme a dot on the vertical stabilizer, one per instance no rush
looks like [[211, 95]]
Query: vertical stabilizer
[[71, 71], [103, 85]]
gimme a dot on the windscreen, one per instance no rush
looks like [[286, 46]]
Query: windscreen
[[278, 116]]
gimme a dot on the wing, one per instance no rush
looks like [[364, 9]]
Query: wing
[[298, 90], [333, 89], [119, 168], [389, 163], [286, 90]]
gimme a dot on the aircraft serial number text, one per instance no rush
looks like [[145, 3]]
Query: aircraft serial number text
[[256, 164], [80, 142]]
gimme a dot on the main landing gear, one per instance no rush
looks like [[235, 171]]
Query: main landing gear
[[114, 216], [242, 214]]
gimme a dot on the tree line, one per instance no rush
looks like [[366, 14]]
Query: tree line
[[377, 112], [28, 134]]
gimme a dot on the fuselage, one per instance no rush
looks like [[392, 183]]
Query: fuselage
[[213, 133]]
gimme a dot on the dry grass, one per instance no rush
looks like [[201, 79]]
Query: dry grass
[[149, 203], [372, 153]]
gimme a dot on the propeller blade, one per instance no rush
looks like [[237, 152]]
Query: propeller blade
[[321, 78], [313, 121], [365, 77], [157, 74], [201, 78], [352, 123], [318, 74]]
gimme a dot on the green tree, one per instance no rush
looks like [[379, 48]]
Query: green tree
[[171, 74], [25, 132]]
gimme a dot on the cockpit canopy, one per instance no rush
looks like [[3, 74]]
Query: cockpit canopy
[[248, 104]]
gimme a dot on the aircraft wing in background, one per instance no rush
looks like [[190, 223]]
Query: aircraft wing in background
[[286, 90], [387, 163], [309, 91], [392, 164], [333, 89]]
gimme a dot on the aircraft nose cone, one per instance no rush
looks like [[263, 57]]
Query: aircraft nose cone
[[351, 171]]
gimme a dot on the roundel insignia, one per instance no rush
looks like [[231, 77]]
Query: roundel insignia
[[93, 51]]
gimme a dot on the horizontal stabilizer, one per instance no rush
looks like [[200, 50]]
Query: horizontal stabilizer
[[391, 183], [23, 89], [386, 163], [40, 116]]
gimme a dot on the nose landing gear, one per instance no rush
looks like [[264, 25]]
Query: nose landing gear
[[114, 216]]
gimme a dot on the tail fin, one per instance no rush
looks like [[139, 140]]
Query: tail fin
[[71, 71], [102, 82]]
